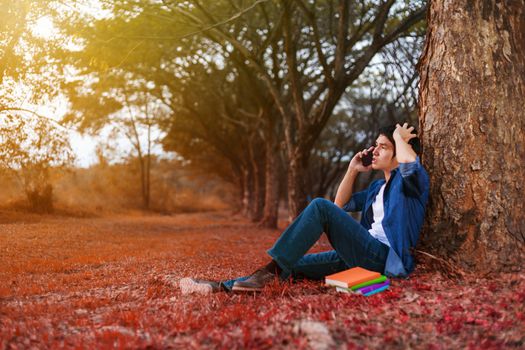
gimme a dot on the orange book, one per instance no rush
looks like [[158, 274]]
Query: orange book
[[351, 277]]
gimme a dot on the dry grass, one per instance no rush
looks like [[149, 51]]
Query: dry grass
[[112, 282]]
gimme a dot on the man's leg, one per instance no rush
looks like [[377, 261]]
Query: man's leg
[[352, 242], [318, 265], [312, 266]]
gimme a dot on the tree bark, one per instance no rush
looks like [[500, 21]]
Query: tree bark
[[257, 174], [247, 191], [271, 202], [297, 198], [239, 209], [472, 123]]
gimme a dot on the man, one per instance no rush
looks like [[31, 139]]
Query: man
[[393, 210]]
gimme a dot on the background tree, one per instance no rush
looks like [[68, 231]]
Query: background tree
[[13, 26], [473, 125], [219, 119], [124, 106], [29, 149], [25, 76], [32, 145]]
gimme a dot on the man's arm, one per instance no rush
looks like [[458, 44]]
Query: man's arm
[[404, 152], [344, 192], [415, 180]]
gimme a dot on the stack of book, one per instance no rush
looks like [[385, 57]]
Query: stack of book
[[359, 281]]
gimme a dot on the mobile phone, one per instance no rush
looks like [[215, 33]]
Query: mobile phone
[[367, 158]]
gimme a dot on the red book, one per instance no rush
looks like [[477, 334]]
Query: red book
[[351, 277]]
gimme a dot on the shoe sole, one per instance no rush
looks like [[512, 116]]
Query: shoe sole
[[246, 289]]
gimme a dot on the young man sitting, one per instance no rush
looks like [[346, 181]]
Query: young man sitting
[[393, 211]]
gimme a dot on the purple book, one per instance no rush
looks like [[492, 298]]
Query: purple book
[[373, 287]]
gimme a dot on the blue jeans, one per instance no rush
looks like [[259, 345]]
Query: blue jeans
[[353, 245]]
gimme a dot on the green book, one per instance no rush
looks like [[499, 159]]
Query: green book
[[367, 283]]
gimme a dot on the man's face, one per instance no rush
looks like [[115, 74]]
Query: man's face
[[384, 155]]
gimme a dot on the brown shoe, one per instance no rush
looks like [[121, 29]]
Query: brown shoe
[[256, 282]]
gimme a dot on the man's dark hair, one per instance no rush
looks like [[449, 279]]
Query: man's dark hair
[[388, 132]]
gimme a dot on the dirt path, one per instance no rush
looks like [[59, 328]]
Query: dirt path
[[112, 282]]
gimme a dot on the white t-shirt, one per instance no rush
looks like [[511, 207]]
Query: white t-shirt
[[378, 209]]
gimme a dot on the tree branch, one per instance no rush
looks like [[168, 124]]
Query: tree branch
[[291, 61]]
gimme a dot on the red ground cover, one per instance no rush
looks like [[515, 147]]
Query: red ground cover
[[111, 282]]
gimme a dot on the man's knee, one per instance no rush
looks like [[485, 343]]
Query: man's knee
[[322, 203]]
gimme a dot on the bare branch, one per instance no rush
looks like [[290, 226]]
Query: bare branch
[[317, 41]]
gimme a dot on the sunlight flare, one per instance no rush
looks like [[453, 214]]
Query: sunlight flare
[[44, 28]]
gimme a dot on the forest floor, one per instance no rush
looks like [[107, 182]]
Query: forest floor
[[111, 282]]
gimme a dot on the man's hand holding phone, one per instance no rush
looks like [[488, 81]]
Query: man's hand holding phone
[[362, 161], [356, 166]]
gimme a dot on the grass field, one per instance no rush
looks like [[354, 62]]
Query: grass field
[[111, 282]]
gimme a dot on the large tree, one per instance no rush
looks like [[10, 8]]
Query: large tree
[[473, 126]]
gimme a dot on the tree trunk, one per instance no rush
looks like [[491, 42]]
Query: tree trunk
[[296, 184], [257, 174], [271, 202], [472, 123], [147, 200], [239, 181], [259, 191], [247, 191], [143, 181]]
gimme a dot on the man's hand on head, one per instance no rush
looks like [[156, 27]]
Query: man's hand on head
[[404, 151], [403, 133]]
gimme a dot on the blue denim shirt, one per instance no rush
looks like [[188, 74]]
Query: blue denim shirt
[[405, 198]]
